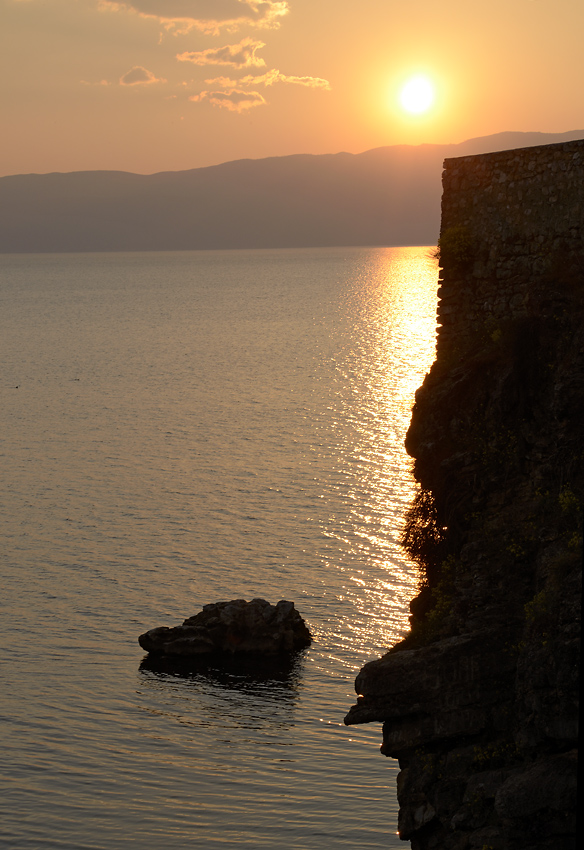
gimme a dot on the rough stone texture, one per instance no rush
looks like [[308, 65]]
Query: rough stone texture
[[449, 689], [521, 212], [232, 627], [480, 702]]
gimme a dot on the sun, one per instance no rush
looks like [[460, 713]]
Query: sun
[[417, 95]]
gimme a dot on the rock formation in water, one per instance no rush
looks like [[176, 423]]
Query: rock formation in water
[[480, 701], [232, 627]]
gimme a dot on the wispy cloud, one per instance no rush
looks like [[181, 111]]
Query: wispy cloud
[[273, 76], [139, 76], [239, 100], [242, 55], [233, 99], [269, 79], [213, 17], [208, 16]]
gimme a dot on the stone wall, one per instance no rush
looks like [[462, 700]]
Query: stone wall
[[511, 219], [479, 703]]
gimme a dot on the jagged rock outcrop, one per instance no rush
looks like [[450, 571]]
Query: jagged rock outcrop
[[480, 701], [232, 627]]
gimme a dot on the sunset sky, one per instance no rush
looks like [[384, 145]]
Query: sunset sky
[[155, 85]]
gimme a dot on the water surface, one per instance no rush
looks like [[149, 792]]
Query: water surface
[[180, 428]]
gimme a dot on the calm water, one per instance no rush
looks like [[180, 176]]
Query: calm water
[[181, 428]]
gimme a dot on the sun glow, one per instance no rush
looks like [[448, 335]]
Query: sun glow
[[417, 95]]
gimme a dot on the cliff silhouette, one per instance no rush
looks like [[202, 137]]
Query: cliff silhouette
[[480, 701]]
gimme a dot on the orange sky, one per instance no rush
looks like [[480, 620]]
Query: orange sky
[[153, 85]]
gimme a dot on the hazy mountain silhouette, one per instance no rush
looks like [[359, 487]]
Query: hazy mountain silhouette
[[385, 196]]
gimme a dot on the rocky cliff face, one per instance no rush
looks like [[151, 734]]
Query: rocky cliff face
[[480, 702]]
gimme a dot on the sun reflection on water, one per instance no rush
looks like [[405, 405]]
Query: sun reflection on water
[[393, 304]]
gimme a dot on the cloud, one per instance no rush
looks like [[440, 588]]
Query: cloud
[[209, 16], [268, 79], [238, 100], [242, 55], [139, 76], [271, 77], [224, 82], [233, 99]]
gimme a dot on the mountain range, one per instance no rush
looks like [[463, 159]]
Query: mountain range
[[386, 196]]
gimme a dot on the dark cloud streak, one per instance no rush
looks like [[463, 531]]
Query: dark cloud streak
[[209, 16], [139, 75]]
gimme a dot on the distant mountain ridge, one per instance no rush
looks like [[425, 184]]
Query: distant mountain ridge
[[385, 196]]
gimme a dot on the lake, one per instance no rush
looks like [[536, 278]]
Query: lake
[[184, 428]]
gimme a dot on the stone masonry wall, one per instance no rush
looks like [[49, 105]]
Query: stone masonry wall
[[513, 217]]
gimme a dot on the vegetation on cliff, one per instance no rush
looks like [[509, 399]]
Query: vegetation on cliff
[[497, 435]]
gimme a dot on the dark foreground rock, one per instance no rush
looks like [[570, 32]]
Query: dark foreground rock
[[232, 627]]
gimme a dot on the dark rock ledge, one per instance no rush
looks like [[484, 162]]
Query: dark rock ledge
[[469, 778], [453, 688], [232, 627]]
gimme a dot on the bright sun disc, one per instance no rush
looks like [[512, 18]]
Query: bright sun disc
[[417, 95]]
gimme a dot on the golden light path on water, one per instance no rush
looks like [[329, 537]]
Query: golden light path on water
[[394, 302]]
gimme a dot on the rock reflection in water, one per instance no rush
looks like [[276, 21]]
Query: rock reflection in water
[[241, 672], [249, 692]]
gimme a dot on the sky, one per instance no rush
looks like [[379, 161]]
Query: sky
[[165, 85]]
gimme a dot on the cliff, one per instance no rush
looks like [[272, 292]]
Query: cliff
[[480, 701]]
